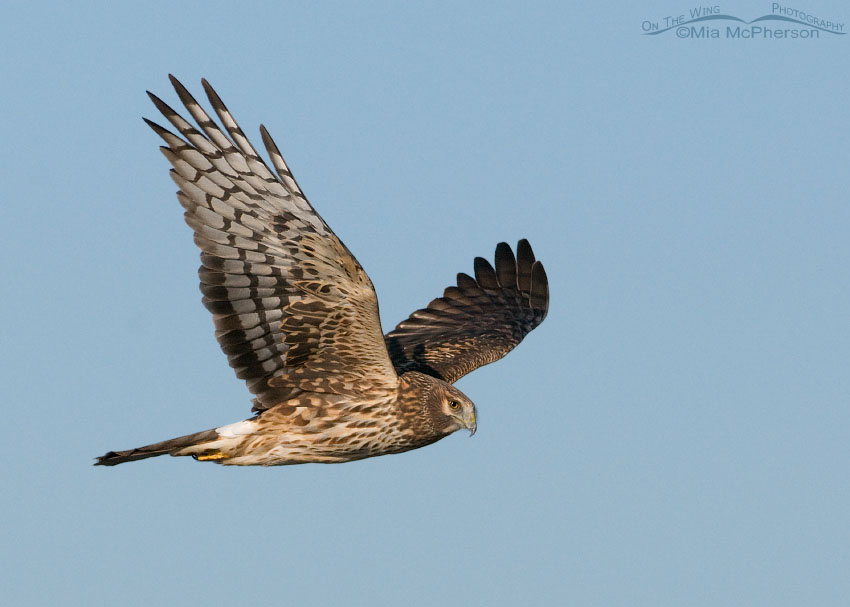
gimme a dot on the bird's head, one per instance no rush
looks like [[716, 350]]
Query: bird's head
[[438, 405], [453, 408]]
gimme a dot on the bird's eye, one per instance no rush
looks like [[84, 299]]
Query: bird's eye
[[454, 404]]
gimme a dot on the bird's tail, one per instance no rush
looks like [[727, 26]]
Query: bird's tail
[[171, 446]]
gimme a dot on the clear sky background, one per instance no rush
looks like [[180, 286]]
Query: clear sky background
[[677, 432]]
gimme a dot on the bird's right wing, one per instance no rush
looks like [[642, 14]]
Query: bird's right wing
[[292, 307], [478, 321]]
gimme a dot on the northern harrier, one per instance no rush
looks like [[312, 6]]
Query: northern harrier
[[297, 315]]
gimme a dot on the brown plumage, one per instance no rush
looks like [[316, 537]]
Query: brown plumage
[[297, 316]]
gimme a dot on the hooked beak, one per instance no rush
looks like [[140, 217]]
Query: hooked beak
[[471, 423]]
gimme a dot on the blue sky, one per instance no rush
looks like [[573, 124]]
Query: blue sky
[[676, 432]]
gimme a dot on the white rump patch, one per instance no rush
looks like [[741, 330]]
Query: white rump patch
[[238, 429]]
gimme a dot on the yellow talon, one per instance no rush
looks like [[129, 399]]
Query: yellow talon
[[204, 458]]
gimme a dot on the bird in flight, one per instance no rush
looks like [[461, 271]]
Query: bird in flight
[[297, 316]]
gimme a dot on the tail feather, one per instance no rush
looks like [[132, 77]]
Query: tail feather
[[168, 446]]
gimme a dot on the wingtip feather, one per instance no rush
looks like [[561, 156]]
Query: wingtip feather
[[539, 295], [505, 266]]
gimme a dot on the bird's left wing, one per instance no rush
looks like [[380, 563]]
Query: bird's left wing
[[478, 321], [292, 307]]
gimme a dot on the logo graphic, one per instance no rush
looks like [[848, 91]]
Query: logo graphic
[[783, 22]]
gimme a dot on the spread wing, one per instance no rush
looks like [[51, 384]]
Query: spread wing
[[292, 307], [478, 321]]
